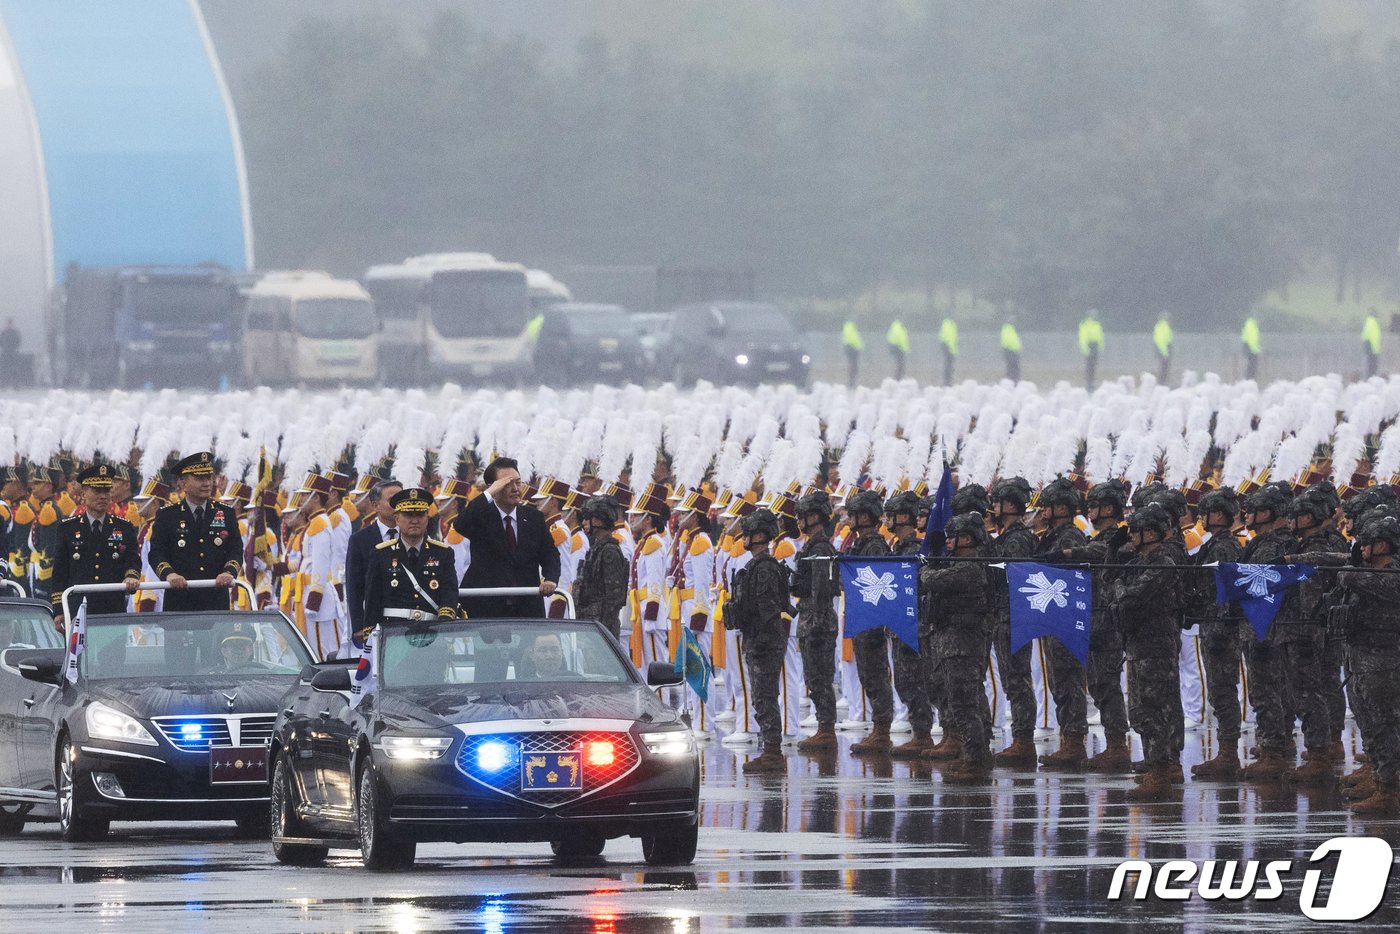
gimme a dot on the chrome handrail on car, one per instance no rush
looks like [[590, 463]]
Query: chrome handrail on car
[[16, 586], [209, 584], [521, 592]]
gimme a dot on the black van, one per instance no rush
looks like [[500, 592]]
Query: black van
[[733, 342]]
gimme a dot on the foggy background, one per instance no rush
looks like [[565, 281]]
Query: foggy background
[[867, 157]]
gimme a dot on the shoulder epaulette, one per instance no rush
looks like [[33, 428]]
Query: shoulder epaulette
[[699, 545], [651, 546], [318, 524], [389, 544], [440, 544], [48, 513]]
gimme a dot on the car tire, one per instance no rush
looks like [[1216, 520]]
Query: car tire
[[283, 820], [672, 847], [74, 825], [12, 821], [581, 844], [380, 848]]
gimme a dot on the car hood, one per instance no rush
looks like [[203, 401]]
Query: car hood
[[146, 698], [453, 704]]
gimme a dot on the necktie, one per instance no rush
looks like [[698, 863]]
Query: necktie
[[199, 514], [413, 554], [510, 536]]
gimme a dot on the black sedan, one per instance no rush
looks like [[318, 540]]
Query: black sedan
[[586, 343], [165, 717], [743, 343], [484, 730]]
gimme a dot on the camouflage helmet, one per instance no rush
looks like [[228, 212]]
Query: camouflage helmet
[[1147, 493], [1269, 499], [971, 524], [925, 505], [603, 508], [1385, 528], [865, 502], [815, 502], [1173, 501], [1152, 517], [1014, 490], [1376, 513], [1311, 502], [970, 497], [1109, 493], [1061, 492], [1222, 500], [906, 503], [1328, 493], [1368, 499], [760, 521]]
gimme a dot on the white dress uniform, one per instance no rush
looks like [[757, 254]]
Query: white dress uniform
[[323, 624]]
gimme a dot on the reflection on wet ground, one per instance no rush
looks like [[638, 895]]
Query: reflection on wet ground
[[837, 843]]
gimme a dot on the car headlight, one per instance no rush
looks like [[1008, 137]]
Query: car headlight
[[670, 743], [105, 723], [413, 747], [741, 359], [806, 359]]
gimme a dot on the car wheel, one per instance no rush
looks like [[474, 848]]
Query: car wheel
[[73, 824], [380, 847], [671, 848], [283, 821], [582, 844], [11, 820]]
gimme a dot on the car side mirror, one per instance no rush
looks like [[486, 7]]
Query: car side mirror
[[331, 679], [663, 675], [41, 670]]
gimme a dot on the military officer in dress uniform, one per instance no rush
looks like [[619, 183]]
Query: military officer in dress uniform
[[196, 539], [411, 577], [96, 547]]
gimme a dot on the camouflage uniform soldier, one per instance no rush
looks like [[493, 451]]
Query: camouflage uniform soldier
[[911, 668], [600, 589], [864, 509], [760, 608], [959, 596], [1060, 502], [815, 587], [1016, 541], [1224, 634], [1373, 658], [1105, 672], [1145, 608]]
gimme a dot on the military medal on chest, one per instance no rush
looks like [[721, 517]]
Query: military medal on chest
[[394, 570]]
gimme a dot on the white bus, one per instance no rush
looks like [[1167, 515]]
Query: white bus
[[452, 316], [306, 327]]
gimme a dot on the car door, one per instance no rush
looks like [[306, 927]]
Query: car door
[[299, 738], [333, 737], [42, 709], [12, 688]]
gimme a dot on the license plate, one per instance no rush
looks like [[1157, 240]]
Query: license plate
[[551, 771], [238, 765], [777, 368]]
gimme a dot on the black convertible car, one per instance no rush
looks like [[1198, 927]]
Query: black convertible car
[[169, 717], [484, 730]]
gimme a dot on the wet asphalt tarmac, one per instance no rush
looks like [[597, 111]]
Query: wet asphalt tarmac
[[838, 843]]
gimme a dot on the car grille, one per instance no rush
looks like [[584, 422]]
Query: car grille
[[507, 779], [195, 734]]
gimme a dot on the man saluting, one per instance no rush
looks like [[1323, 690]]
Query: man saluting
[[95, 547], [511, 546], [196, 539]]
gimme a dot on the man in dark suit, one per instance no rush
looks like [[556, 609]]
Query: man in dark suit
[[511, 546], [196, 539], [376, 530], [96, 547]]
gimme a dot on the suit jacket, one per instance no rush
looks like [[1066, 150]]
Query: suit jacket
[[493, 565], [196, 551], [363, 541]]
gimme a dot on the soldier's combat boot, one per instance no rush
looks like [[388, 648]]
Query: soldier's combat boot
[[1224, 767], [771, 760], [948, 748], [1020, 753], [1114, 758], [1070, 757], [824, 740], [917, 747], [1360, 791], [1270, 767], [1156, 785], [876, 744], [969, 771], [1316, 771], [1384, 803], [1362, 773]]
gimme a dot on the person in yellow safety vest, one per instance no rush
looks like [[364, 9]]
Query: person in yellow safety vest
[[948, 337], [1162, 340], [1249, 340], [1090, 345], [898, 339], [853, 345], [1371, 338], [1011, 349]]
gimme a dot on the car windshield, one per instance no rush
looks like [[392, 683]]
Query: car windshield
[[27, 627], [515, 652], [182, 301], [600, 323], [338, 318], [479, 303], [768, 322], [176, 645]]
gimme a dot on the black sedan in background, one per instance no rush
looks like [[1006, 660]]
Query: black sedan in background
[[588, 343], [733, 343], [484, 730], [168, 718]]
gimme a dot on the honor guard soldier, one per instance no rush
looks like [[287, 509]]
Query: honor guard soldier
[[96, 547], [411, 577], [196, 539]]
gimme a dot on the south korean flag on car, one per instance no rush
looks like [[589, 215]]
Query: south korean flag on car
[[77, 639], [365, 679]]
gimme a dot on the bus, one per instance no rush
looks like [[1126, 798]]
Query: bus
[[452, 316], [306, 327]]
